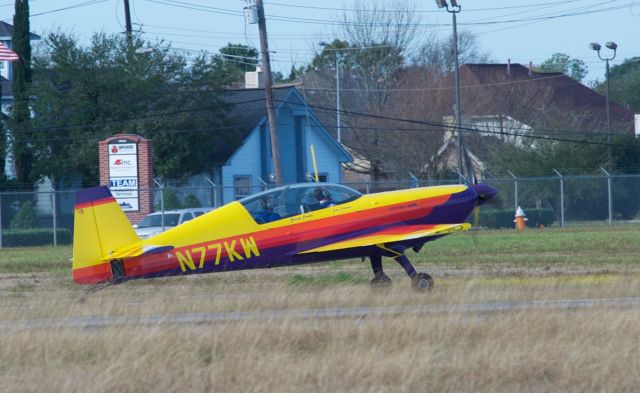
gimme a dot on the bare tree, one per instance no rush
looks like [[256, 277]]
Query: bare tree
[[438, 53]]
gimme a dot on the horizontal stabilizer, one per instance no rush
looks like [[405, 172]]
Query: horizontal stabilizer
[[390, 235]]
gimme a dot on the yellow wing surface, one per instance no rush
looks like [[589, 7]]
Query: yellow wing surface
[[390, 235]]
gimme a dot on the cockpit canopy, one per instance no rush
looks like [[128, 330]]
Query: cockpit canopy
[[291, 200]]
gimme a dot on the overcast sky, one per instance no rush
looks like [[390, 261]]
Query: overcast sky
[[523, 30]]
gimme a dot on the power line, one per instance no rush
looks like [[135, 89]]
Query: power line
[[444, 88], [449, 126], [422, 11], [441, 127], [187, 5], [83, 4]]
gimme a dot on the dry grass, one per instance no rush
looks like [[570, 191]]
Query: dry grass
[[578, 350]]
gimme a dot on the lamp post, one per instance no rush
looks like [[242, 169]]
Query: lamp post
[[596, 47], [338, 127], [454, 9]]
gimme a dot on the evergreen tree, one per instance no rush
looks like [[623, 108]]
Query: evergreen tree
[[20, 86]]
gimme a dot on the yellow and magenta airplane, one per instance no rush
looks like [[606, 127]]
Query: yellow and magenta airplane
[[289, 225]]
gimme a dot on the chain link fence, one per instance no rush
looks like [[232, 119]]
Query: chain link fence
[[46, 217]]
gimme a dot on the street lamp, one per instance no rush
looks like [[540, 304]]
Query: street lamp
[[338, 128], [596, 47], [454, 9]]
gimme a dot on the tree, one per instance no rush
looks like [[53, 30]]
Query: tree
[[236, 59], [378, 38], [87, 94], [625, 83], [560, 62], [25, 218], [20, 83], [439, 54]]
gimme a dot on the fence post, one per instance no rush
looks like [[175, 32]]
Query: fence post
[[54, 213], [215, 193], [161, 185], [609, 199], [515, 186], [561, 198]]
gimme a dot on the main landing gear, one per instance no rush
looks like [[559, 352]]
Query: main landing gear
[[421, 282]]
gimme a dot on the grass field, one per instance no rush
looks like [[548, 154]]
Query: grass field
[[593, 349]]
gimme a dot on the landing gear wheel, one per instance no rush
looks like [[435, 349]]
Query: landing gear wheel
[[422, 282], [381, 281]]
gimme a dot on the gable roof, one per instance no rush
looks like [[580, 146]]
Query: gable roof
[[6, 32], [249, 105], [248, 110]]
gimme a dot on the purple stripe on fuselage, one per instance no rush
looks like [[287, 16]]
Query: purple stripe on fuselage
[[456, 210]]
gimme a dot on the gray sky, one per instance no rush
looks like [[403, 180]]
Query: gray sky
[[537, 28]]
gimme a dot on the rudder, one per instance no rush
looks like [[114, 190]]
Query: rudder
[[100, 227]]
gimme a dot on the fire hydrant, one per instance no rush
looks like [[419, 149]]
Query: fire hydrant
[[520, 220]]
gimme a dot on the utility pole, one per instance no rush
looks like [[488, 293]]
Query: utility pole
[[266, 65], [127, 18]]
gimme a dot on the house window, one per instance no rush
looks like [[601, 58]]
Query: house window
[[322, 177], [241, 186]]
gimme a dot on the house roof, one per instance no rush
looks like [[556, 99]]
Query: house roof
[[542, 91], [6, 32], [249, 105], [249, 109]]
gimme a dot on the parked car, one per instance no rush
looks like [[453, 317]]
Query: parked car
[[152, 224]]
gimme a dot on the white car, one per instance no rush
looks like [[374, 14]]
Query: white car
[[152, 224]]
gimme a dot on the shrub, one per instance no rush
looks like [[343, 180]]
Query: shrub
[[503, 218], [25, 218], [171, 201], [34, 237], [191, 201]]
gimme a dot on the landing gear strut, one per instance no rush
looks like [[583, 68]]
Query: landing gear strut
[[421, 282], [380, 280]]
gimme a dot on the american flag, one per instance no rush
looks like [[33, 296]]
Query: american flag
[[7, 54]]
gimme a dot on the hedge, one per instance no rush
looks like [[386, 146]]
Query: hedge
[[503, 218], [34, 237]]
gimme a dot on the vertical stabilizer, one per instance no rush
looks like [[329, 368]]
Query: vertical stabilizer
[[100, 227]]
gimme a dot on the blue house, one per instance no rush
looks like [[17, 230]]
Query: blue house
[[249, 168]]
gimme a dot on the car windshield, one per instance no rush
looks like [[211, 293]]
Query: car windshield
[[155, 220]]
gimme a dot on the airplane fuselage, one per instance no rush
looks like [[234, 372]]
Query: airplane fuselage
[[248, 245]]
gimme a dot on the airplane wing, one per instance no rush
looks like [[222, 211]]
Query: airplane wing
[[390, 235]]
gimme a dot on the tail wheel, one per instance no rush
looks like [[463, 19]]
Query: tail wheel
[[422, 282]]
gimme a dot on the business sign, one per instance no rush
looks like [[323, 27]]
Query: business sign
[[123, 174]]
